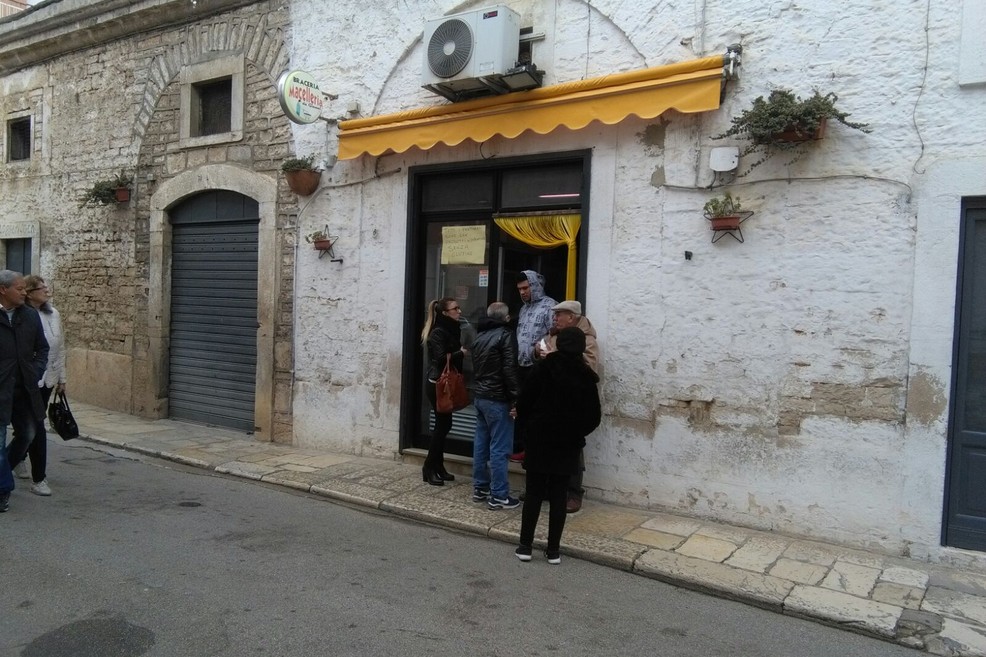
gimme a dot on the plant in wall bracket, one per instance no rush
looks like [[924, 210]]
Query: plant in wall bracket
[[785, 122], [301, 174], [105, 192], [725, 215]]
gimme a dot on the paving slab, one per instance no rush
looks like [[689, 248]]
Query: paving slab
[[851, 578], [654, 538], [678, 569], [802, 572], [898, 594], [247, 470], [958, 639], [958, 605], [709, 549], [844, 610], [434, 510], [759, 553], [905, 576]]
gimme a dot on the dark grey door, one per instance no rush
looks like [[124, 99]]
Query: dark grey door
[[965, 507], [213, 347]]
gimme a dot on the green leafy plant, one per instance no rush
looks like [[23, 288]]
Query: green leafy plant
[[299, 163], [103, 192], [316, 236], [123, 180], [721, 206], [785, 122]]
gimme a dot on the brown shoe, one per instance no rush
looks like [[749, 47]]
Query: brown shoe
[[574, 504]]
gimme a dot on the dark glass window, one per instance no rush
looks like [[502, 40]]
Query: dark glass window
[[462, 191], [212, 104], [19, 139], [546, 186], [18, 255]]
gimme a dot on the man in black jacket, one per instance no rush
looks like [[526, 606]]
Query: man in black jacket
[[23, 358], [496, 388]]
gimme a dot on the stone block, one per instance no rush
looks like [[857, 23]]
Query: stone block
[[758, 554], [847, 610], [799, 571], [654, 538], [816, 553], [672, 524], [904, 576], [681, 570], [851, 578], [708, 549], [898, 594], [956, 604], [958, 639]]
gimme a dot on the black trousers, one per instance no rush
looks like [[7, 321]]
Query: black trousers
[[543, 486], [522, 372], [24, 425], [443, 424], [38, 449]]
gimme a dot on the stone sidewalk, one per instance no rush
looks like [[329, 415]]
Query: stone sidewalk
[[930, 607]]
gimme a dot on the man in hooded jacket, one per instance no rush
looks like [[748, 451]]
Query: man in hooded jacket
[[533, 321]]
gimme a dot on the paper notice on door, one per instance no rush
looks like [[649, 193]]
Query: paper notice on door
[[463, 245], [484, 278]]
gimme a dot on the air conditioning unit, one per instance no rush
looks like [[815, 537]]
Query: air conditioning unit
[[466, 53]]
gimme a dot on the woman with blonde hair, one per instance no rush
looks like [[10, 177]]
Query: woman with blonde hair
[[441, 336], [38, 296]]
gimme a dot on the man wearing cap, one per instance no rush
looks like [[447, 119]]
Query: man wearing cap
[[567, 314]]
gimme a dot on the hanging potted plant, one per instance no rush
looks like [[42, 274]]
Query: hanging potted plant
[[121, 189], [785, 122], [301, 174], [320, 240], [105, 192], [724, 212]]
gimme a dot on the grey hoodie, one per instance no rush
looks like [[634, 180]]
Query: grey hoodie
[[535, 319]]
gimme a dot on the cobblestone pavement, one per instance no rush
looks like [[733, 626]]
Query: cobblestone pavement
[[938, 609]]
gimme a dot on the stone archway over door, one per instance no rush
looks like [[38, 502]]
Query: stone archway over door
[[213, 339]]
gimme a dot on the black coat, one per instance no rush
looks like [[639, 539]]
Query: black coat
[[22, 347], [558, 407], [445, 338], [494, 362]]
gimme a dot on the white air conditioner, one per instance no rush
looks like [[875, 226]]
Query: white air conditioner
[[463, 49]]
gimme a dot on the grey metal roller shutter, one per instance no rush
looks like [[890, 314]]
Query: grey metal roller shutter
[[214, 310]]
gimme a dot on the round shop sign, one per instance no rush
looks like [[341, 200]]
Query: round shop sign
[[300, 97]]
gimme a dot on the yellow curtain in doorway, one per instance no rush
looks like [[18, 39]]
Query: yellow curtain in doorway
[[547, 231]]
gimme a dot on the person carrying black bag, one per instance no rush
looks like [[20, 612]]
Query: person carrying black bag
[[23, 356]]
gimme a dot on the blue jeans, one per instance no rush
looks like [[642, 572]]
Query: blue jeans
[[6, 476], [491, 446]]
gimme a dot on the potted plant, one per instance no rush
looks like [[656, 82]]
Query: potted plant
[[121, 190], [724, 212], [301, 174], [320, 240], [784, 121]]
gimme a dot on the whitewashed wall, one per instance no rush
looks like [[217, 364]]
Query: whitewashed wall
[[798, 381]]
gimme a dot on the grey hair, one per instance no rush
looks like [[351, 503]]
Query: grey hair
[[498, 310], [8, 276]]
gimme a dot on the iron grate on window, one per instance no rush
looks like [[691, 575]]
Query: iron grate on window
[[19, 139], [214, 100]]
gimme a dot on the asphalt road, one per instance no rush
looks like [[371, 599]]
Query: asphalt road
[[133, 556]]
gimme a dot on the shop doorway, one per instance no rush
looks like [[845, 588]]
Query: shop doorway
[[457, 249]]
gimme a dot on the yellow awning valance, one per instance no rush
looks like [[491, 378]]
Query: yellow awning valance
[[691, 86]]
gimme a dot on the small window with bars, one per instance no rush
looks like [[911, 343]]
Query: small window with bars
[[212, 103], [19, 139]]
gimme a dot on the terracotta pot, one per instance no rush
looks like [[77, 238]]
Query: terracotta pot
[[322, 245], [729, 222], [303, 181], [122, 194], [793, 135]]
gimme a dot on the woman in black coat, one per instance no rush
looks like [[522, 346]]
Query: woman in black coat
[[442, 337], [558, 408]]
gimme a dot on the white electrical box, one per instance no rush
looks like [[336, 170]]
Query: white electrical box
[[724, 158]]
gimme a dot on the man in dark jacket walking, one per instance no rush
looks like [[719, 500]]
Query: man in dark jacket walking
[[496, 388], [23, 358]]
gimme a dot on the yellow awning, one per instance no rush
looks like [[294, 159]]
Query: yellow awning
[[691, 86]]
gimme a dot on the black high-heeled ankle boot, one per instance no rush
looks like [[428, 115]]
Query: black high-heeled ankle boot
[[445, 474], [432, 477]]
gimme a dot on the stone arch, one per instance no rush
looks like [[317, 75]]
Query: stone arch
[[264, 48], [262, 189]]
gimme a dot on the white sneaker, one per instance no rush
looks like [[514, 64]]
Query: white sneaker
[[21, 471], [41, 488]]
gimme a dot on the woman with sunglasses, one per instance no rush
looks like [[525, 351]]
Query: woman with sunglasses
[[441, 336]]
